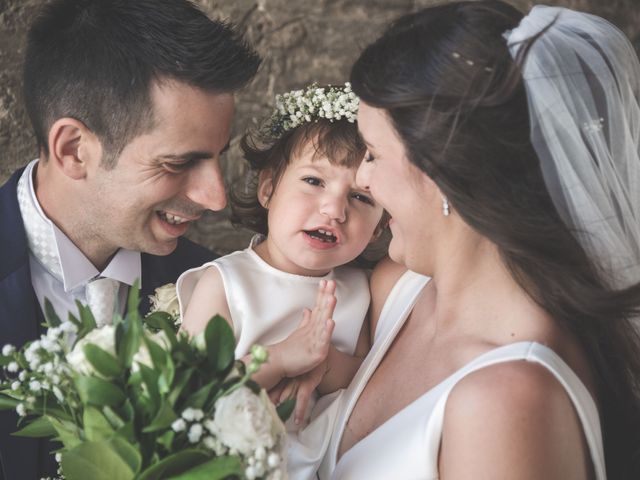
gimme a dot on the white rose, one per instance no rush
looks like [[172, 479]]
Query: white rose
[[166, 300], [103, 337], [244, 421]]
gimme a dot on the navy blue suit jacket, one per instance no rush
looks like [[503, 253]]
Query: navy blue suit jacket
[[21, 319]]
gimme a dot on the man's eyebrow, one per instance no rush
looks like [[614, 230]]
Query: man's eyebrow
[[187, 156], [192, 156]]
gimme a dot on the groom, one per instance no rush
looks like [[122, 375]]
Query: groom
[[131, 104]]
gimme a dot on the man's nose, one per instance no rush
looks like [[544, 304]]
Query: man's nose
[[206, 185]]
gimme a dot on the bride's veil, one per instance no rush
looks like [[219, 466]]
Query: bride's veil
[[582, 79]]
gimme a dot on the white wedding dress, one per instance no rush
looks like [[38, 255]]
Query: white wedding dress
[[406, 446]]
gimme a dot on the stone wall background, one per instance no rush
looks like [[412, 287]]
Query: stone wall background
[[301, 41]]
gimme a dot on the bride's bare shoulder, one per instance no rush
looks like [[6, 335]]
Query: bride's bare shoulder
[[512, 418]]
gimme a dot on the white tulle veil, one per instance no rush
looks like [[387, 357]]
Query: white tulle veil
[[582, 79]]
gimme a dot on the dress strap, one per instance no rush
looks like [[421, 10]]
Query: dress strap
[[538, 353], [395, 311]]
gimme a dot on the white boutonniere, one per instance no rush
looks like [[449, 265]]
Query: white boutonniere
[[165, 299]]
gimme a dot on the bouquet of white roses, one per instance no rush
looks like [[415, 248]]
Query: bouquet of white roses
[[130, 402]]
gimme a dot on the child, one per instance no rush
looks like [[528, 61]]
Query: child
[[314, 220]]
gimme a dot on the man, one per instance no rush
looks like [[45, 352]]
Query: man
[[131, 103]]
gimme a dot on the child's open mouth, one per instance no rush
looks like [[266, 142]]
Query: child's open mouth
[[322, 235]]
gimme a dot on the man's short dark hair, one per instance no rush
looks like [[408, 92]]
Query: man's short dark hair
[[96, 60]]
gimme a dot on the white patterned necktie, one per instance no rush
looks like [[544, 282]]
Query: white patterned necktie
[[101, 299]]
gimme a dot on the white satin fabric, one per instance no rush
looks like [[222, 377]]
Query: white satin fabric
[[406, 446]]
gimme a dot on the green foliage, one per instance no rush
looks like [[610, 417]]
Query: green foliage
[[115, 415]]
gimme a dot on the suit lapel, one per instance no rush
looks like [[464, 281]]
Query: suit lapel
[[20, 319], [19, 311]]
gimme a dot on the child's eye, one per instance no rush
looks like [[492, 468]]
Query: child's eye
[[316, 182], [363, 198], [368, 157]]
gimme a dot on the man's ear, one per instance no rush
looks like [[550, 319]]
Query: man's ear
[[265, 187], [73, 147]]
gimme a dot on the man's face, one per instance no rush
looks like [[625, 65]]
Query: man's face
[[164, 178]]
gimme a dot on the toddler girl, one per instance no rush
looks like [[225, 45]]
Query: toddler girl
[[314, 220]]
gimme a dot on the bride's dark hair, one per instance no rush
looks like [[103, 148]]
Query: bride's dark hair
[[457, 100]]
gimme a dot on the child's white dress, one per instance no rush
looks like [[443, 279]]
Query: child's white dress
[[266, 306]]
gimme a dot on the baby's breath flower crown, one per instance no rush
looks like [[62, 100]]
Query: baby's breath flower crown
[[310, 104]]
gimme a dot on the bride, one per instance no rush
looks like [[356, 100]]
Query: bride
[[503, 338]]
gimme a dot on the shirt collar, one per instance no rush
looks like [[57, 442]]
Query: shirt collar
[[58, 254]]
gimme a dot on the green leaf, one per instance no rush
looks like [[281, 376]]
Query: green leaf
[[53, 320], [157, 353], [128, 339], [181, 382], [163, 419], [68, 433], [285, 409], [166, 439], [174, 464], [40, 427], [8, 403], [105, 364], [96, 426], [87, 320], [220, 343], [97, 461], [73, 319], [198, 398], [150, 377], [161, 321], [97, 391], [127, 452], [133, 301], [217, 469], [112, 417]]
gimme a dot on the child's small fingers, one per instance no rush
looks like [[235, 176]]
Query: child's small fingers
[[328, 331], [306, 317], [302, 400]]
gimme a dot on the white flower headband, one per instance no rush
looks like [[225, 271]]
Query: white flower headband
[[310, 104]]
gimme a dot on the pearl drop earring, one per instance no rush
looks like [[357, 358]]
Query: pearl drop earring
[[445, 206]]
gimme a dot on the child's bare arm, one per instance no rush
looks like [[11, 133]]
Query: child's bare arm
[[208, 299], [334, 373], [341, 367], [306, 347]]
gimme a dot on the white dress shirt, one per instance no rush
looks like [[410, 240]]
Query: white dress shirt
[[59, 270]]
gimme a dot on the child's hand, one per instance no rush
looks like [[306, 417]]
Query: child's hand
[[301, 387], [308, 345], [306, 384]]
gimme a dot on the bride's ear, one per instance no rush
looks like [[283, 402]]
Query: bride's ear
[[265, 187]]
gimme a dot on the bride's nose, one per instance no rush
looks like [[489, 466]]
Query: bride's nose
[[363, 175]]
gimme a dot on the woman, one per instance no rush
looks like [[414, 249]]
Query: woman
[[504, 345]]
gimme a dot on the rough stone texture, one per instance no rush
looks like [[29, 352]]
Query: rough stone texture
[[301, 41]]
